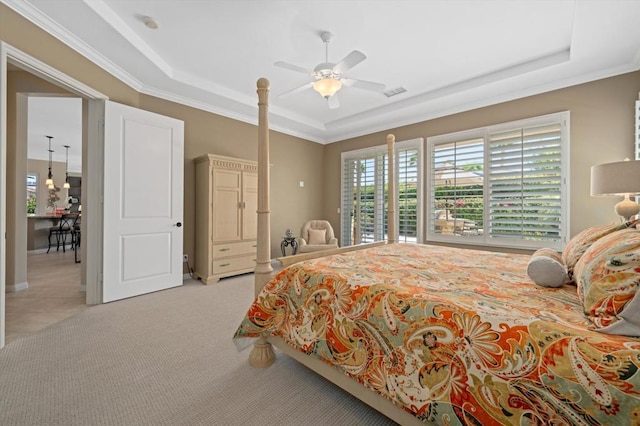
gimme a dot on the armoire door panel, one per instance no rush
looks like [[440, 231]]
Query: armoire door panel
[[226, 217], [250, 203]]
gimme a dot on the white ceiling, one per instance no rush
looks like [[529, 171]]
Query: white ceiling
[[451, 56]]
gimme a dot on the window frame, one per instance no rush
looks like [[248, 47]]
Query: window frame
[[484, 132], [380, 152]]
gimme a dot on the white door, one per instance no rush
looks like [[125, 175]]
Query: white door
[[143, 203]]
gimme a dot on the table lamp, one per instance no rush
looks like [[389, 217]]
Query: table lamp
[[619, 178]]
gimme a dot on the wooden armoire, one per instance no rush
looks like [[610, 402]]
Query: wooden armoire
[[226, 218]]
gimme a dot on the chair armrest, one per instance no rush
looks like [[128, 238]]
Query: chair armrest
[[301, 241], [333, 241]]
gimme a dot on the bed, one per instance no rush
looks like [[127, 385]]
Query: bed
[[439, 335]]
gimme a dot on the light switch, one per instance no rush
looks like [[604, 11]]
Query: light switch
[[301, 184], [338, 210]]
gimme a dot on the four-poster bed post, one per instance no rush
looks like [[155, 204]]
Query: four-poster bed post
[[392, 234], [262, 353]]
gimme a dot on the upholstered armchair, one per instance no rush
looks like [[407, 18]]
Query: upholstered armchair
[[316, 235]]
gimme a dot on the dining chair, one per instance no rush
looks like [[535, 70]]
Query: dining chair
[[64, 228]]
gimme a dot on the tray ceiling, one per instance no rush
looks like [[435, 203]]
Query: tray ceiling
[[450, 56]]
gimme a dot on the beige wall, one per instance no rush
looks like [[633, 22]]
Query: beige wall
[[293, 160], [602, 130]]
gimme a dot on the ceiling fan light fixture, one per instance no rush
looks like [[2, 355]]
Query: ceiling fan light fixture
[[327, 87]]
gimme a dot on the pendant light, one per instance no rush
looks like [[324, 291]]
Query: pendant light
[[66, 185], [49, 181]]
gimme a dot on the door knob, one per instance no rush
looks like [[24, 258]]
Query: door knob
[[179, 224]]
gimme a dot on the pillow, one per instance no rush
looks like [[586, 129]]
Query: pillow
[[317, 236], [546, 268], [608, 276], [576, 247]]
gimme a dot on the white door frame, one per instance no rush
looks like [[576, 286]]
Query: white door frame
[[92, 169]]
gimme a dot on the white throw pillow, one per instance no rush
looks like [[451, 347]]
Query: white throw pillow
[[546, 268], [317, 236]]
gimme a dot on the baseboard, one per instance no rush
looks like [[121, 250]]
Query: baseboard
[[12, 288], [186, 277], [37, 251], [44, 250]]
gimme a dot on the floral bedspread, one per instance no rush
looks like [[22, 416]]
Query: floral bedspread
[[453, 336]]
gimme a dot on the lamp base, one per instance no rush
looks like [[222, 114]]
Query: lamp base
[[627, 208]]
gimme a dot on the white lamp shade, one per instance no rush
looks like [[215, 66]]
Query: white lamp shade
[[327, 87], [48, 182], [619, 178], [66, 185]]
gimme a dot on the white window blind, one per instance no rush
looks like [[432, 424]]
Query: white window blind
[[503, 185], [525, 183], [637, 130], [364, 193], [457, 174], [408, 189], [363, 202]]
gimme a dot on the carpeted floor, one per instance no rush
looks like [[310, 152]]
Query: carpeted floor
[[165, 358]]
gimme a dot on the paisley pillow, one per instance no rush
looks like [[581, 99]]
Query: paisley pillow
[[576, 247], [608, 278], [546, 268]]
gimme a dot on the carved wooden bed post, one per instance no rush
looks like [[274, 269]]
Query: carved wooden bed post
[[392, 235], [262, 354]]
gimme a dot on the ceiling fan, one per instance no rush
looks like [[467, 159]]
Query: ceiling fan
[[329, 77]]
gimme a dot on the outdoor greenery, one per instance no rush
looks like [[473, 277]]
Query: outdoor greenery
[[31, 205], [463, 202]]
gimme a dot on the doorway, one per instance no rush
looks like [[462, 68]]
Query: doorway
[[133, 225], [14, 59], [52, 290]]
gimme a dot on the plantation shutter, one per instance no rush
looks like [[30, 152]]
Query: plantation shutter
[[457, 176], [407, 207], [365, 177], [349, 188], [525, 183], [363, 214]]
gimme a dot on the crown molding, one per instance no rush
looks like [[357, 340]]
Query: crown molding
[[228, 113], [404, 112], [44, 22], [414, 115]]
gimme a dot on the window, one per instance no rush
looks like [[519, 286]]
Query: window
[[364, 193], [32, 193], [503, 185]]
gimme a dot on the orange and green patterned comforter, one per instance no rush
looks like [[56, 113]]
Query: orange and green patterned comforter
[[453, 336]]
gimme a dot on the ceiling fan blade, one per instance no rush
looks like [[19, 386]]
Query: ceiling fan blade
[[292, 67], [333, 101], [296, 90], [362, 84], [349, 61]]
